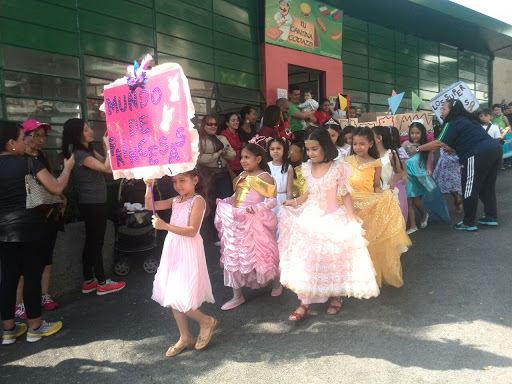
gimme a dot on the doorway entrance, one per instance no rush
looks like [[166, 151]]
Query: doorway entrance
[[307, 79]]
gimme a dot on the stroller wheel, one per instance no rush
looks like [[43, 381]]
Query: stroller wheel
[[150, 265], [122, 268]]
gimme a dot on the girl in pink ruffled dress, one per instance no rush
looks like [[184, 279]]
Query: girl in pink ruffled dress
[[247, 228], [181, 281], [322, 250]]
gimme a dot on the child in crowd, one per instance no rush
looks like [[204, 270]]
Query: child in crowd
[[299, 184], [347, 134], [181, 281], [247, 228], [419, 170], [420, 182], [492, 129], [281, 170], [400, 184], [503, 123], [392, 168], [447, 176], [336, 133], [379, 210], [323, 252], [309, 105]]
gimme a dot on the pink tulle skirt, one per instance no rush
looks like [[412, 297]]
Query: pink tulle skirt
[[324, 255], [248, 247], [182, 281]]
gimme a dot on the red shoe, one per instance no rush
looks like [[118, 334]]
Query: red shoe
[[90, 287], [296, 316], [334, 309], [110, 287], [48, 303]]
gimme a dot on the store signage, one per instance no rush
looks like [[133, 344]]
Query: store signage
[[149, 129], [459, 91], [305, 25]]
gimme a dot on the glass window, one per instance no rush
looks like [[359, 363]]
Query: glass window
[[43, 110], [201, 88], [31, 85], [94, 86], [93, 110], [22, 59], [104, 68]]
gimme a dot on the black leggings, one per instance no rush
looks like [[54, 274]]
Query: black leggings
[[95, 218], [21, 259]]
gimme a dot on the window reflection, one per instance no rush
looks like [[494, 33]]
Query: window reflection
[[43, 110]]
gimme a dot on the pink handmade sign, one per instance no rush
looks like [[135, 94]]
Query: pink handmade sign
[[149, 128]]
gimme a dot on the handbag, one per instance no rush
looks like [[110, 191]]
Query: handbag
[[37, 194]]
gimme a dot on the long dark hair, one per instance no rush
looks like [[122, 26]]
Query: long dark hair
[[217, 144], [336, 127], [201, 187], [423, 139], [72, 135], [457, 110], [257, 150], [284, 144], [368, 134], [271, 116], [387, 143], [321, 135], [225, 122], [395, 137], [8, 131]]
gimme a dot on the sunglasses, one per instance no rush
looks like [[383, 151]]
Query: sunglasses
[[38, 137], [211, 124]]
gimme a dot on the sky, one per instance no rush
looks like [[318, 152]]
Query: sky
[[498, 9]]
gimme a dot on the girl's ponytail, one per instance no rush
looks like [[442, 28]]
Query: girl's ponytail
[[387, 142]]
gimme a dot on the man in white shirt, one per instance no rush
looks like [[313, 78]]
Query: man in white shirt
[[492, 129]]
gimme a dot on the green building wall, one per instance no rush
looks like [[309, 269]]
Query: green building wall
[[378, 60]]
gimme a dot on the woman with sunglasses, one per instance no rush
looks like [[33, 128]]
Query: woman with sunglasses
[[214, 153], [36, 134]]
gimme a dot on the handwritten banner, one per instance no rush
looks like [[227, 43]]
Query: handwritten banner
[[459, 91], [345, 122], [404, 120], [149, 129]]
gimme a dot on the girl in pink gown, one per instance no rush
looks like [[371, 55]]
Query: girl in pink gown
[[247, 228], [322, 249], [182, 281]]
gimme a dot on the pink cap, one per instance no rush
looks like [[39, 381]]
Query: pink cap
[[31, 125]]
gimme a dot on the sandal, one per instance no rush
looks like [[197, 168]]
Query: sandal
[[334, 309], [174, 350], [202, 341], [295, 316]]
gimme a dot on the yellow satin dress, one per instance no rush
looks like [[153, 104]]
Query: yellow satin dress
[[299, 183], [382, 220]]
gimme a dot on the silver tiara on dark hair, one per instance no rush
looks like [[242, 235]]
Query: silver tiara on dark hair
[[331, 121]]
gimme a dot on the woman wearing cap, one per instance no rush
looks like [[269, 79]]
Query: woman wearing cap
[[89, 179], [35, 137], [480, 156], [21, 235]]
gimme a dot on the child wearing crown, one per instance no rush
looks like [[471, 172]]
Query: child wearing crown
[[247, 227]]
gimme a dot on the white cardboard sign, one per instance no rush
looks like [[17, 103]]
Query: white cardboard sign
[[459, 91]]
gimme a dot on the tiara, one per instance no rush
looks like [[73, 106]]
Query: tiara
[[331, 121], [259, 140], [421, 121]]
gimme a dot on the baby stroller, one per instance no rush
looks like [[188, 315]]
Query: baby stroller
[[134, 232]]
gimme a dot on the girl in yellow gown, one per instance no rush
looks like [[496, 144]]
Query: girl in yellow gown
[[382, 219]]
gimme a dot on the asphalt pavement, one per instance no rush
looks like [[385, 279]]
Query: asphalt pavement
[[451, 322]]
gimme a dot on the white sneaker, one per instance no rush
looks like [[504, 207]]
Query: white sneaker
[[424, 223], [411, 230]]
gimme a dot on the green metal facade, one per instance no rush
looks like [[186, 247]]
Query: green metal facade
[[62, 52], [378, 60]]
